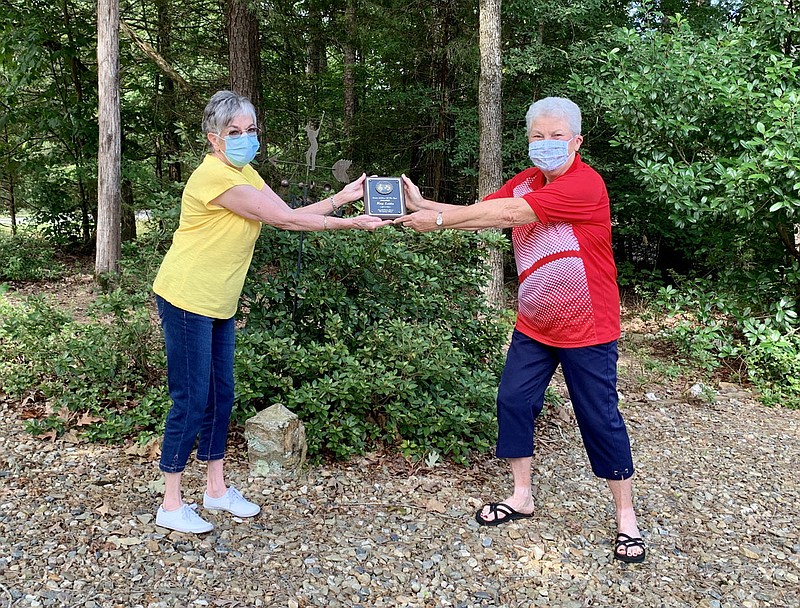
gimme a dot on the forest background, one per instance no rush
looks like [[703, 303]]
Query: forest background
[[690, 114]]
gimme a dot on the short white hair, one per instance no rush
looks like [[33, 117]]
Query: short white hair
[[222, 108], [558, 107]]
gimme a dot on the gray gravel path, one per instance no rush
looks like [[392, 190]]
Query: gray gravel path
[[717, 492]]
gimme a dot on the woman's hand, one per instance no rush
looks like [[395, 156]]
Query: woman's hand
[[413, 195], [351, 192], [421, 221], [367, 222]]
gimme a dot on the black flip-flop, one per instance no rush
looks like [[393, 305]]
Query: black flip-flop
[[627, 542], [502, 513]]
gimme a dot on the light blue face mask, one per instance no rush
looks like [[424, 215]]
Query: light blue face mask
[[241, 150], [549, 154]]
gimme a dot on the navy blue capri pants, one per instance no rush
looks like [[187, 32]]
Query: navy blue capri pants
[[591, 376]]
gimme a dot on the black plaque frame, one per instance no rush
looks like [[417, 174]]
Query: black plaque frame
[[384, 197]]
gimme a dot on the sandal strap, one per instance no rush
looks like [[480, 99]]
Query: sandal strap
[[500, 508], [623, 540]]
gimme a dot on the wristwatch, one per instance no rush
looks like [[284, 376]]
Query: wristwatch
[[439, 220]]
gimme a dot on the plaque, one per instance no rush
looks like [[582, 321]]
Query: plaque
[[384, 197]]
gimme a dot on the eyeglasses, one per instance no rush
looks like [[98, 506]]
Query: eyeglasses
[[236, 133]]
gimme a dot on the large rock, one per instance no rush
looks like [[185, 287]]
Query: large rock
[[276, 442]]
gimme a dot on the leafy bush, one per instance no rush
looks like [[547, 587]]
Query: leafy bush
[[709, 119], [104, 376], [745, 322], [379, 338], [27, 258]]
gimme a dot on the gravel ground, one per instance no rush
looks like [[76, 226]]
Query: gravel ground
[[716, 490]]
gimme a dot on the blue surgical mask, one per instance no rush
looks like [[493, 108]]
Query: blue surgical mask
[[241, 150], [549, 154]]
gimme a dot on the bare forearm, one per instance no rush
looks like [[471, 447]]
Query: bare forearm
[[436, 206], [497, 213], [300, 220], [326, 206]]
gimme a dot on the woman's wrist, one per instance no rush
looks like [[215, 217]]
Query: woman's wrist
[[337, 201]]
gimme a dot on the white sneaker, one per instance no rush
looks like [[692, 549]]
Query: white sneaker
[[184, 519], [233, 502]]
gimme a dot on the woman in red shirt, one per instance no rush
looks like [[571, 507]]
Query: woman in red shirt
[[568, 311]]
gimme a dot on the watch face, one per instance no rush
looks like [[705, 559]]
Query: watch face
[[439, 220], [383, 187]]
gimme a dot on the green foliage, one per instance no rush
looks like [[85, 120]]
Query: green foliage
[[27, 257], [775, 368], [711, 122], [382, 338], [703, 113], [720, 327], [104, 376], [47, 92]]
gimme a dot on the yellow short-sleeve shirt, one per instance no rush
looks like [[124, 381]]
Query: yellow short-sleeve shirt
[[205, 268]]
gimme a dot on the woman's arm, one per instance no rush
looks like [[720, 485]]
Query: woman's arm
[[494, 213], [267, 207], [350, 193]]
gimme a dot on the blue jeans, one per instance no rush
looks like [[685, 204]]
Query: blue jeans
[[591, 376], [200, 378]]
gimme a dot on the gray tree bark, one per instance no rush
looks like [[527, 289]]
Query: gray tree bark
[[109, 153], [490, 119]]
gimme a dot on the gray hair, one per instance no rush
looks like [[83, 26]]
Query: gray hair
[[558, 107], [222, 108]]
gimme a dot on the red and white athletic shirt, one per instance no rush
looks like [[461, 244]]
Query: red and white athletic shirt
[[568, 295]]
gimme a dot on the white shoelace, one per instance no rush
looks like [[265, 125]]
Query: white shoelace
[[188, 512], [235, 496]]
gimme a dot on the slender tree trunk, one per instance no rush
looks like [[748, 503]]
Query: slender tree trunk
[[315, 64], [437, 165], [490, 161], [75, 70], [171, 141], [12, 202], [128, 219], [109, 153], [349, 77], [244, 59]]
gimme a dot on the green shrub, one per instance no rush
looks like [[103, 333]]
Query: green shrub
[[104, 376], [743, 322], [380, 339], [27, 257], [774, 367]]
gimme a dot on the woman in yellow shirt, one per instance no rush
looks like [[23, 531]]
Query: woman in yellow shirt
[[197, 289]]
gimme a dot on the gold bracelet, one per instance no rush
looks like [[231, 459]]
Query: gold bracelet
[[324, 222]]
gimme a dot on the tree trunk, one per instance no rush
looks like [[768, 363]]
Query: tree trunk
[[315, 65], [128, 217], [436, 162], [171, 141], [75, 70], [490, 161], [12, 202], [244, 59], [349, 76], [109, 152]]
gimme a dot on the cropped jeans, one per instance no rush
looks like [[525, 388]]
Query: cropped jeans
[[200, 378], [591, 376]]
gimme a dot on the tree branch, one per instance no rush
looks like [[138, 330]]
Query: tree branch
[[162, 63], [788, 241]]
